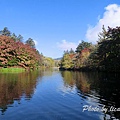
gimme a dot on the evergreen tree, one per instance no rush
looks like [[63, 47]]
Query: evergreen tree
[[14, 37], [20, 38], [82, 46], [30, 42], [5, 32], [71, 51], [109, 50]]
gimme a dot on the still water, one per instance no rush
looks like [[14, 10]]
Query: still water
[[55, 95]]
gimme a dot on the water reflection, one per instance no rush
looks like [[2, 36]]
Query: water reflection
[[68, 78], [15, 86], [82, 82], [98, 88], [48, 100]]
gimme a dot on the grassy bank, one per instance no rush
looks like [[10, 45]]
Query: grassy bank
[[11, 70]]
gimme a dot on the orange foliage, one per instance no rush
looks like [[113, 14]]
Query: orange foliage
[[17, 54]]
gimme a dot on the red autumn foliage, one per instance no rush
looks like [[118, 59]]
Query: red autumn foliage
[[85, 50], [17, 54], [72, 56]]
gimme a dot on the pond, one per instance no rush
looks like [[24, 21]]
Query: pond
[[59, 95]]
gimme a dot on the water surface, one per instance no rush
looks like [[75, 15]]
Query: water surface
[[55, 95]]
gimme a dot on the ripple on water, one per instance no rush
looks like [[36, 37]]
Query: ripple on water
[[53, 97]]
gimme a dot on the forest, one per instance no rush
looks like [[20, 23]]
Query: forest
[[18, 54], [102, 56]]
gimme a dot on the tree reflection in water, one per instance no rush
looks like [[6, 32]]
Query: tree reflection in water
[[68, 78], [78, 79], [15, 86], [82, 82], [95, 89], [101, 88]]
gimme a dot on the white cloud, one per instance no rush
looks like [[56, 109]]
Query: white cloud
[[66, 45], [111, 17]]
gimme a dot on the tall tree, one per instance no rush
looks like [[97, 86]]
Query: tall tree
[[20, 38], [66, 62], [14, 37], [17, 38], [5, 32], [82, 46], [71, 51], [30, 42], [109, 50], [102, 35]]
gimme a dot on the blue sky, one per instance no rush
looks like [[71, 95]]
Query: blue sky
[[57, 25]]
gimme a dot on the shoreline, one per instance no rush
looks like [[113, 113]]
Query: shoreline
[[89, 69], [12, 70]]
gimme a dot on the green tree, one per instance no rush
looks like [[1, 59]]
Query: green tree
[[17, 38], [93, 60], [5, 32], [14, 37], [66, 52], [67, 62], [20, 38], [102, 35], [71, 51], [30, 42], [109, 50], [82, 46], [48, 62]]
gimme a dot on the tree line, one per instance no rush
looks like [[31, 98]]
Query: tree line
[[15, 53], [103, 56], [19, 38]]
